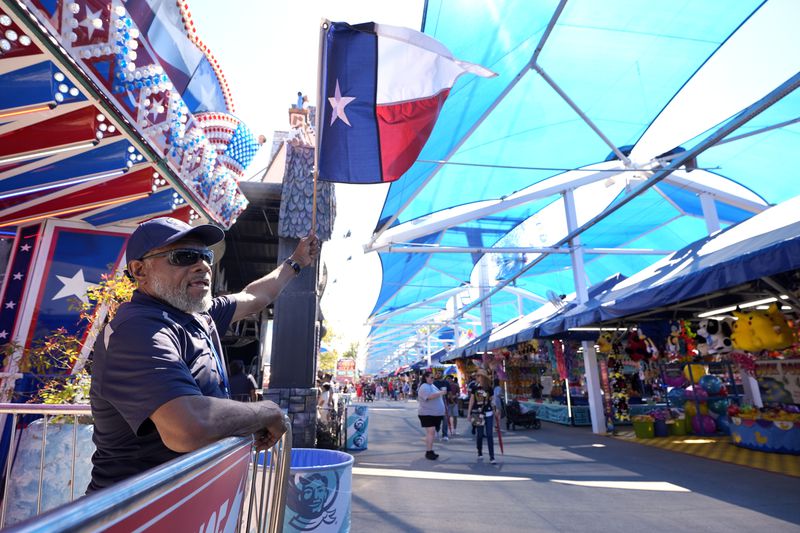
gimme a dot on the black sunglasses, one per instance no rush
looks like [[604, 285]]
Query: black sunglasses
[[183, 257]]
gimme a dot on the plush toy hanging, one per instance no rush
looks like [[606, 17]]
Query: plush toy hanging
[[687, 337], [716, 334], [604, 343], [674, 340], [755, 330], [702, 345], [635, 346]]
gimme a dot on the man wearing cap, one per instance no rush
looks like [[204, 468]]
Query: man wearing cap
[[159, 383]]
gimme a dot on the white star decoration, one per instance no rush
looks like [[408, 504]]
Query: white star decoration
[[25, 248], [3, 334], [11, 305], [153, 112], [338, 103], [89, 21], [18, 276], [74, 286]]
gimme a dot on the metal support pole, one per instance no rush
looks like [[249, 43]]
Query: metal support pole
[[456, 326], [596, 410], [428, 356], [486, 304], [709, 213], [569, 402], [576, 252], [592, 370]]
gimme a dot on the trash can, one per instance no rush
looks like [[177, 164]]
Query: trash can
[[678, 427], [319, 491], [643, 430], [356, 427]]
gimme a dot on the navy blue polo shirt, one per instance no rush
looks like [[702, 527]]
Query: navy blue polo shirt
[[149, 354]]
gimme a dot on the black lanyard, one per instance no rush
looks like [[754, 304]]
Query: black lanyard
[[226, 388]]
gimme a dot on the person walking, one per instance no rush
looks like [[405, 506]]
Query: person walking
[[441, 383], [325, 404], [451, 404], [481, 413], [472, 384], [499, 401], [430, 411]]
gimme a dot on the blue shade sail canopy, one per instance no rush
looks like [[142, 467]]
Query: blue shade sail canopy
[[616, 91]]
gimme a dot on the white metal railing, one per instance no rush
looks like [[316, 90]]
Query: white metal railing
[[264, 496]]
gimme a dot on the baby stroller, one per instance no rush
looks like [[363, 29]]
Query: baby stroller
[[515, 417], [369, 394]]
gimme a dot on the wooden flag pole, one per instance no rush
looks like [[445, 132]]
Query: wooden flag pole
[[323, 33]]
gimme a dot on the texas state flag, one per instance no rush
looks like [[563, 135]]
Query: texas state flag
[[383, 88]]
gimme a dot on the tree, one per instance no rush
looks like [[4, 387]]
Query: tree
[[326, 361], [352, 351], [327, 357]]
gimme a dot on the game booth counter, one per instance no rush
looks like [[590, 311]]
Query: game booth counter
[[545, 375], [714, 329], [705, 341]]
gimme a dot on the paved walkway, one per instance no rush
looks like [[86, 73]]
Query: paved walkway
[[555, 479]]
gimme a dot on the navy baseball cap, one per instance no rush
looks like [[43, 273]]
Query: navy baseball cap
[[161, 231]]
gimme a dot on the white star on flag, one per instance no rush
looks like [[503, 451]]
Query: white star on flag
[[3, 334], [18, 276], [338, 103], [74, 286], [11, 305], [25, 247], [89, 21]]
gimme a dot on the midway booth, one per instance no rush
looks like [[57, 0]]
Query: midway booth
[[702, 311], [736, 292]]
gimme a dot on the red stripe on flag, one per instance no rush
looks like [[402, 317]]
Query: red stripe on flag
[[404, 129]]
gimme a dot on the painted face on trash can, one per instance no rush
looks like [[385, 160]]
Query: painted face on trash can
[[315, 492]]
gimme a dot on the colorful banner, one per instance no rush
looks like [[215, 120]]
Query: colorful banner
[[209, 501], [345, 370], [561, 363], [605, 385]]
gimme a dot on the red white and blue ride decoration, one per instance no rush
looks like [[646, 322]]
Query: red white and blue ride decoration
[[99, 130], [102, 126]]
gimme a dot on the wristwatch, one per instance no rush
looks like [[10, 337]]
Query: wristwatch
[[294, 264]]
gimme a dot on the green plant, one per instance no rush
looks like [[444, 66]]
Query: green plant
[[53, 359]]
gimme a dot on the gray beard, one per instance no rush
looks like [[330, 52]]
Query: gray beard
[[180, 299]]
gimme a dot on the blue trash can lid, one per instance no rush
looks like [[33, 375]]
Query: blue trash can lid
[[311, 458]]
